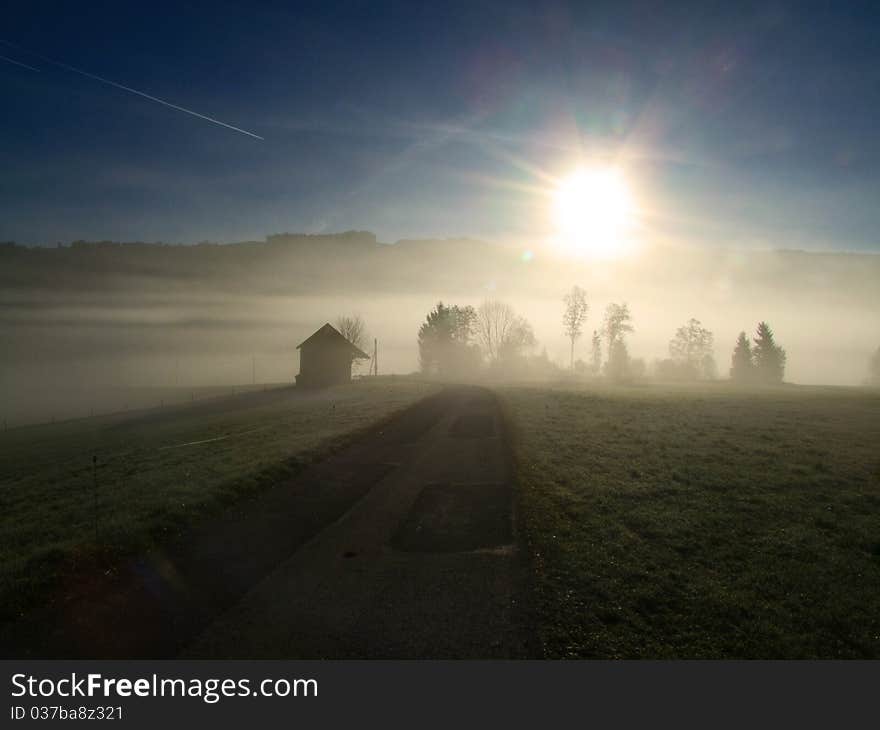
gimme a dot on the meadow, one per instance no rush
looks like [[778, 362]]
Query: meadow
[[701, 521], [158, 471], [658, 521]]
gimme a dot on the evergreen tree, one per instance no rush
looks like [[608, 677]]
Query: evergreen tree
[[444, 341], [742, 366], [768, 356]]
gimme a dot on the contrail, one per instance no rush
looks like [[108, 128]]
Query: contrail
[[80, 71], [19, 63], [156, 99]]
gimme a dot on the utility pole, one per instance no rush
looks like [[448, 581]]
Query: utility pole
[[254, 369], [375, 356]]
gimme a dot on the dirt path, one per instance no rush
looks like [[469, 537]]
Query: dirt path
[[400, 545], [424, 565]]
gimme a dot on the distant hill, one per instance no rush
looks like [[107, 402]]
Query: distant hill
[[354, 261]]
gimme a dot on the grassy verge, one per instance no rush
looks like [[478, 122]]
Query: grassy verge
[[700, 521], [159, 471]]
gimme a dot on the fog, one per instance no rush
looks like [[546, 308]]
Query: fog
[[95, 328]]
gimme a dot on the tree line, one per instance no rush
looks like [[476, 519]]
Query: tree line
[[457, 340], [691, 350]]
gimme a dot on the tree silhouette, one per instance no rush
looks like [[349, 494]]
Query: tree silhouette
[[692, 350], [501, 331], [742, 365], [768, 356], [575, 315], [352, 328], [444, 340], [618, 322]]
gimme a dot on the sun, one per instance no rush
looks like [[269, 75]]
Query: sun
[[594, 213]]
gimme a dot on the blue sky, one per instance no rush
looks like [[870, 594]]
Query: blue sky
[[736, 123]]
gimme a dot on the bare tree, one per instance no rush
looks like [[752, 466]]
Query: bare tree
[[501, 331], [692, 350], [575, 315], [352, 328]]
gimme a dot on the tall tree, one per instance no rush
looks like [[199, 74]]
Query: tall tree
[[575, 315], [444, 340], [501, 331], [618, 323], [769, 357], [692, 350], [742, 365], [352, 328], [596, 356]]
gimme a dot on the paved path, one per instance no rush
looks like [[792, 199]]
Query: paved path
[[399, 545], [424, 565]]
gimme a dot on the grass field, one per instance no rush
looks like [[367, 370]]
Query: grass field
[[701, 521], [661, 521], [159, 470]]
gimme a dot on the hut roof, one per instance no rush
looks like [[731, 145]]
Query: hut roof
[[330, 336]]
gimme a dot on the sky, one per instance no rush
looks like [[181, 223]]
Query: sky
[[751, 124]]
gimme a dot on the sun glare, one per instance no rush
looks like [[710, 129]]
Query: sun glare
[[594, 213]]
